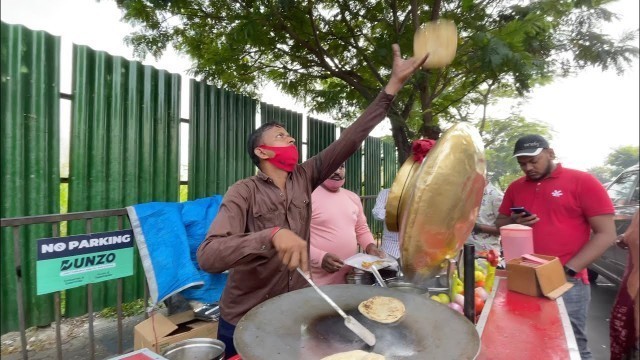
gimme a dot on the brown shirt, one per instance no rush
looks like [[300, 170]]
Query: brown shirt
[[239, 238]]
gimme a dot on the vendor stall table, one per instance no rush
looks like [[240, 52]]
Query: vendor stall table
[[517, 326]]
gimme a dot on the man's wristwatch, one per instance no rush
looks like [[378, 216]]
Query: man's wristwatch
[[569, 271]]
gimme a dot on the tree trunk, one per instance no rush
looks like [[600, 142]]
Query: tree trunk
[[430, 128], [400, 137]]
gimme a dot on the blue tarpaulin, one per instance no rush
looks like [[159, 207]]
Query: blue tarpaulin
[[168, 235]]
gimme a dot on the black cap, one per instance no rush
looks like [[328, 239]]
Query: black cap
[[530, 145]]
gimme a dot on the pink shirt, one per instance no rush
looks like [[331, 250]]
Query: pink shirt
[[338, 225]]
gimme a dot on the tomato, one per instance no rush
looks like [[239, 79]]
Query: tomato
[[479, 304]]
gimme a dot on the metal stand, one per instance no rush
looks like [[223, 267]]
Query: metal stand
[[469, 282]]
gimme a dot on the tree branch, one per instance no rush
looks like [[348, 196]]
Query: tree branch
[[472, 88], [360, 51]]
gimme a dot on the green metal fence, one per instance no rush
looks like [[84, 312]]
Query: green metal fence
[[220, 122], [320, 135], [125, 149], [30, 161], [389, 163], [372, 177]]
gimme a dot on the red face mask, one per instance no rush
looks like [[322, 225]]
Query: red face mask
[[333, 185], [285, 157]]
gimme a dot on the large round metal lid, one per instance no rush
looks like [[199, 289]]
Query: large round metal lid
[[399, 193], [301, 325], [444, 202]]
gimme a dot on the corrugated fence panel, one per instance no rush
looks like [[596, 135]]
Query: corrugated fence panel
[[124, 150], [353, 178], [291, 120], [320, 135], [220, 123], [389, 163], [30, 158], [372, 177]]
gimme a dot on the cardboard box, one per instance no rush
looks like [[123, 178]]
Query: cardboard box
[[546, 280], [158, 331]]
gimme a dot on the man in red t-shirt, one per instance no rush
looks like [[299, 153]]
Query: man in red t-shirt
[[564, 207]]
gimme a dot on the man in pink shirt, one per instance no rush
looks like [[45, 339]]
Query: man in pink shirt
[[338, 226]]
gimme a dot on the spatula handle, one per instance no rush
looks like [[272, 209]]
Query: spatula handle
[[378, 277], [324, 296]]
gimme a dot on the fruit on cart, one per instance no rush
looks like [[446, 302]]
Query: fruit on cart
[[456, 307], [492, 256], [479, 304], [444, 298], [457, 285], [491, 275], [435, 298], [479, 275], [481, 293], [459, 299]]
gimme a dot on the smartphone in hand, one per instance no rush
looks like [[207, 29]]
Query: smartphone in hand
[[520, 210]]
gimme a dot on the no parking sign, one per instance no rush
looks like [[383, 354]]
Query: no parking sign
[[72, 261]]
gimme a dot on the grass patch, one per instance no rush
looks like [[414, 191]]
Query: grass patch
[[184, 193], [128, 309]]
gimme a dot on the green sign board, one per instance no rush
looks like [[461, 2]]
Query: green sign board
[[72, 261]]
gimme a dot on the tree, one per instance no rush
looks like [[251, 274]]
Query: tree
[[499, 137], [602, 173], [618, 160], [623, 157], [335, 55]]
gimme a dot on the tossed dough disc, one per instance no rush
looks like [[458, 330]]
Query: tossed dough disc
[[383, 309], [438, 38]]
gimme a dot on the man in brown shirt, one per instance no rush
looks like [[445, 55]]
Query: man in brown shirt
[[261, 231]]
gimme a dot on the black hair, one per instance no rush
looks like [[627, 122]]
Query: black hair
[[255, 139]]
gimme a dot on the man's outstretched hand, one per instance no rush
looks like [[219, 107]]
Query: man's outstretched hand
[[292, 250], [402, 70]]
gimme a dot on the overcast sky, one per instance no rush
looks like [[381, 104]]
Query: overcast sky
[[590, 113]]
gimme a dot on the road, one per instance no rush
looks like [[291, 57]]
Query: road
[[603, 295]]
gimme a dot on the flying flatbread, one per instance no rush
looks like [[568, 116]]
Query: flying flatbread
[[382, 309], [438, 38], [354, 355]]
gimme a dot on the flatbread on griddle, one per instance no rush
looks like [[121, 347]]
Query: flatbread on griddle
[[382, 309], [354, 355]]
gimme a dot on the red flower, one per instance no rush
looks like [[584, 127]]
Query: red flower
[[420, 148]]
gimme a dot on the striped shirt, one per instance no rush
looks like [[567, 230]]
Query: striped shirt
[[390, 240]]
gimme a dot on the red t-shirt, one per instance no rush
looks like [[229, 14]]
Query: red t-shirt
[[564, 201]]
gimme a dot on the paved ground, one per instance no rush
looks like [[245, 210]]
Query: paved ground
[[75, 341], [75, 345], [603, 294]]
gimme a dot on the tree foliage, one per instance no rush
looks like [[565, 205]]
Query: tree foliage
[[623, 157], [500, 136], [601, 172], [335, 55], [618, 160]]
